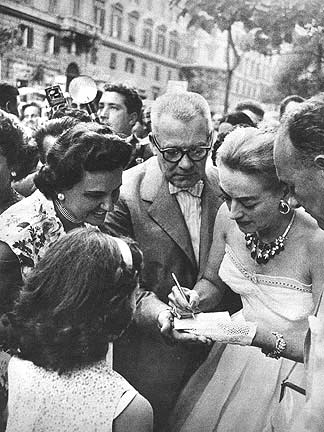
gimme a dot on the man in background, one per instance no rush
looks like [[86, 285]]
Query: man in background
[[121, 108], [299, 159]]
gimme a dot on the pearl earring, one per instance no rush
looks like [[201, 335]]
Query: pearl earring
[[60, 196]]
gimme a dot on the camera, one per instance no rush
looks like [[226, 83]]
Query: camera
[[55, 98]]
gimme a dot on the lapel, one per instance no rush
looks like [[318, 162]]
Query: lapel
[[210, 202], [164, 208]]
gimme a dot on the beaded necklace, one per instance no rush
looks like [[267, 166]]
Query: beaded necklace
[[66, 214], [261, 251]]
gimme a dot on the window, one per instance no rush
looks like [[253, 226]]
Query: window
[[169, 75], [27, 36], [94, 55], [173, 46], [132, 25], [157, 73], [155, 92], [147, 34], [160, 40], [144, 69], [113, 61], [129, 65], [52, 44], [99, 13], [76, 8], [52, 6], [116, 21]]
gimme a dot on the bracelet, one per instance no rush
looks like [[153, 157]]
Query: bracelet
[[280, 347]]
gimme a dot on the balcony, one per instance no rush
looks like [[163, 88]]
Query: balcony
[[71, 24]]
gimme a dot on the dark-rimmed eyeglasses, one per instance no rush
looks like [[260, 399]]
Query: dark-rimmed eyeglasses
[[175, 154]]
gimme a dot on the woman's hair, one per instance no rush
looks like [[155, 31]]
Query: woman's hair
[[75, 301], [11, 138], [237, 118], [85, 147], [21, 157], [54, 128], [250, 150]]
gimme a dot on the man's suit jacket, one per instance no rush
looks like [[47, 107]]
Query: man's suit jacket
[[147, 212]]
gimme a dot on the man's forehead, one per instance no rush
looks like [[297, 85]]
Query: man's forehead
[[112, 97], [169, 124]]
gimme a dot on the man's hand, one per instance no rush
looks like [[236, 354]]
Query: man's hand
[[171, 336], [176, 300]]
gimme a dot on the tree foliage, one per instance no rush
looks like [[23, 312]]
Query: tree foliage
[[9, 37], [268, 25]]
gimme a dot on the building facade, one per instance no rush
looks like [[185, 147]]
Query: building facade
[[135, 41], [141, 42]]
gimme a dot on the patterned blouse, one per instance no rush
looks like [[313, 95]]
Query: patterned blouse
[[29, 227]]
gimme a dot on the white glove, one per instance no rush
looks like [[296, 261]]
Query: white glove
[[229, 332]]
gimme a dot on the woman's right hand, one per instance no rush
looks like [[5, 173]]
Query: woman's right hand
[[176, 300]]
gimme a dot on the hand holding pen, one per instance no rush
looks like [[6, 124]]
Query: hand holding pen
[[183, 300]]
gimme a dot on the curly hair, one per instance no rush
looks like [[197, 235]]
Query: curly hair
[[75, 301], [85, 147], [75, 113], [133, 102]]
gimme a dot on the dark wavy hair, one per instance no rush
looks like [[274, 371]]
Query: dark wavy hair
[[21, 157], [76, 300], [133, 101], [85, 147], [11, 139], [75, 113], [54, 127]]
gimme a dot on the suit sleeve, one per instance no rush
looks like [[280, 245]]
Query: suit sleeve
[[148, 306], [118, 223]]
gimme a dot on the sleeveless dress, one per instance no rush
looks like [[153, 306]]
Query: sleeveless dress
[[237, 388], [84, 400]]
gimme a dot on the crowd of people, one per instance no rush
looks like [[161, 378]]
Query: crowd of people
[[99, 215]]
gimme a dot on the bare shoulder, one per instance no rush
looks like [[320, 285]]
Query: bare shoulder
[[137, 417]]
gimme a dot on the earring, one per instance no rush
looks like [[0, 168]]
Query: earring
[[60, 196], [13, 174], [284, 207]]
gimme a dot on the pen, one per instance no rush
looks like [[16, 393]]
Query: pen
[[174, 277]]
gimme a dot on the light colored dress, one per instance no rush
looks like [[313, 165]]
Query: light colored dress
[[237, 389], [85, 400]]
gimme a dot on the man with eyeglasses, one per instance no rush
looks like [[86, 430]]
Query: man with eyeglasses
[[168, 205]]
